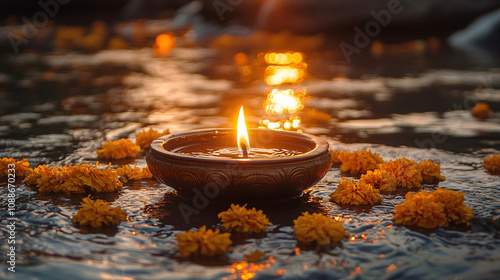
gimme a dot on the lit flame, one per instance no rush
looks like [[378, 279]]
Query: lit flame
[[242, 135], [164, 44]]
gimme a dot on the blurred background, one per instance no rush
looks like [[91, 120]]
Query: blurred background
[[415, 79]]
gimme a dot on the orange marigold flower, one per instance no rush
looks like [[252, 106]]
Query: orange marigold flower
[[203, 242], [358, 161], [98, 213], [492, 163], [255, 256], [118, 149], [241, 219], [405, 171], [432, 209], [128, 173], [22, 167], [430, 171], [145, 137], [456, 210], [379, 179], [318, 228], [481, 110], [74, 179], [46, 179], [348, 192], [420, 209]]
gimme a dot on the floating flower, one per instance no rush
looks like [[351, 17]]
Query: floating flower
[[359, 161], [481, 110], [74, 179], [348, 192], [22, 167], [420, 209], [379, 179], [128, 173], [254, 256], [118, 149], [456, 210], [432, 209], [146, 137], [492, 163], [46, 179], [405, 171], [203, 242], [430, 171], [98, 214], [318, 228], [241, 219]]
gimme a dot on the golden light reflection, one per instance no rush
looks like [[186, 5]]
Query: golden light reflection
[[242, 134], [283, 105], [281, 102], [390, 268], [278, 75], [284, 58], [164, 44], [245, 270]]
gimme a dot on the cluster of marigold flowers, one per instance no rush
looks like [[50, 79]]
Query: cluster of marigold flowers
[[315, 228], [379, 176], [428, 210], [432, 209], [87, 178], [82, 178]]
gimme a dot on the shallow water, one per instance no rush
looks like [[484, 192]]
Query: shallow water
[[57, 109]]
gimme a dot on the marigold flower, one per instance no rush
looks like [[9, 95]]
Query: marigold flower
[[146, 137], [203, 242], [358, 161], [348, 192], [430, 171], [74, 179], [379, 179], [128, 173], [241, 219], [420, 209], [98, 213], [255, 256], [318, 228], [492, 163], [46, 179], [481, 110], [118, 149], [432, 209], [405, 171], [456, 210], [22, 167]]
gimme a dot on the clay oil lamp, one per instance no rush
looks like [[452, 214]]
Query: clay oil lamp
[[240, 164]]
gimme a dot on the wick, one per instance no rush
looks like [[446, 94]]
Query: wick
[[244, 149]]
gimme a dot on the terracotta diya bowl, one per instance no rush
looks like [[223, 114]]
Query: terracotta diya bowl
[[280, 164]]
